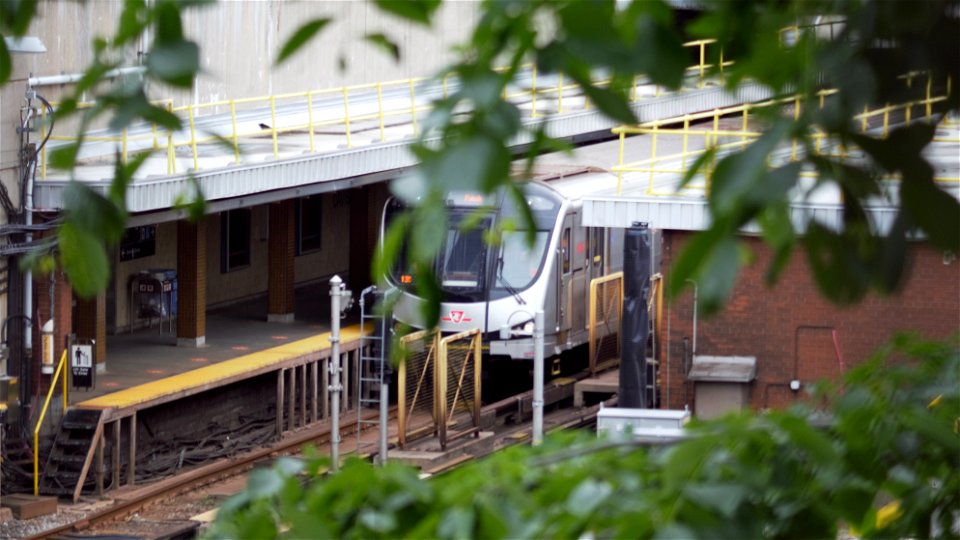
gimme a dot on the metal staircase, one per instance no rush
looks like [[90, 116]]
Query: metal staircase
[[374, 371], [72, 453]]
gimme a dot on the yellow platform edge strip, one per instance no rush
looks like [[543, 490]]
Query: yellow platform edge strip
[[209, 375]]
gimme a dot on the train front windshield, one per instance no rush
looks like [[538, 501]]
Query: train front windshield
[[464, 258], [471, 270]]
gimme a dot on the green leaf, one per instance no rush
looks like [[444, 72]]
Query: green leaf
[[741, 177], [169, 25], [612, 104], [838, 273], [385, 44], [587, 497], [429, 229], [83, 259], [195, 203], [456, 523], [91, 212], [774, 221], [6, 63], [174, 62], [376, 521], [123, 176], [725, 498], [17, 16], [418, 11], [133, 21], [64, 157], [264, 483], [476, 163], [711, 259], [300, 37], [931, 208], [707, 156], [659, 51]]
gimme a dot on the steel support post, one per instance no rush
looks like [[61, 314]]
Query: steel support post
[[538, 377], [336, 290]]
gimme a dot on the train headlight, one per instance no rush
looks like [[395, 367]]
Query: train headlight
[[518, 330]]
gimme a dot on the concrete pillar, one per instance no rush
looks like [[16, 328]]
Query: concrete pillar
[[192, 276], [57, 306], [281, 253], [92, 324]]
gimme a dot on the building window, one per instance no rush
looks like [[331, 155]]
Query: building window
[[309, 223], [234, 239]]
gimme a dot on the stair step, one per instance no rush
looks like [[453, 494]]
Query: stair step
[[68, 458], [58, 491], [84, 443], [79, 425]]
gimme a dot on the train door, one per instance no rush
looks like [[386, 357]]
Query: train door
[[565, 273], [580, 276]]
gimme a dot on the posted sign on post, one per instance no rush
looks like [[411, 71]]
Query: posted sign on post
[[82, 365]]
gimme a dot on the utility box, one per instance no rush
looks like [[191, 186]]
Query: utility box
[[721, 384], [153, 294], [642, 425]]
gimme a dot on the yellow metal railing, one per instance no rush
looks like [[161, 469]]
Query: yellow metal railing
[[605, 311], [297, 116], [61, 368], [729, 129]]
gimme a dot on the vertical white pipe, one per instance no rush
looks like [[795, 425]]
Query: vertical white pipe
[[538, 377], [384, 403], [336, 288]]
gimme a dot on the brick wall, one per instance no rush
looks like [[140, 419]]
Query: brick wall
[[61, 311], [789, 327]]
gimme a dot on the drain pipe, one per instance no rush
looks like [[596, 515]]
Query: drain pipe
[[695, 310], [70, 78], [538, 377]]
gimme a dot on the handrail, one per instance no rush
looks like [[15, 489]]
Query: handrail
[[302, 116], [43, 413], [721, 138]]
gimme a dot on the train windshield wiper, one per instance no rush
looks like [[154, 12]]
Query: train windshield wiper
[[507, 286]]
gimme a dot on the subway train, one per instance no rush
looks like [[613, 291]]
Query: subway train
[[498, 287]]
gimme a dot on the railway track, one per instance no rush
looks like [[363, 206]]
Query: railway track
[[507, 422]]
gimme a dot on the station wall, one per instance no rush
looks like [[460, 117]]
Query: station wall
[[791, 324]]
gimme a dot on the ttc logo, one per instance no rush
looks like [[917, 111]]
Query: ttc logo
[[456, 317]]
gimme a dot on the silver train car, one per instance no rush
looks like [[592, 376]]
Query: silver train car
[[501, 285]]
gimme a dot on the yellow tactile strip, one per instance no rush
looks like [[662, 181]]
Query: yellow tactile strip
[[208, 376]]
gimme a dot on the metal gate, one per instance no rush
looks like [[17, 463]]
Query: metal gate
[[606, 309], [442, 377], [458, 380], [416, 380]]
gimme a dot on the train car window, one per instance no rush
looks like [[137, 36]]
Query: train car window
[[309, 226], [234, 239], [596, 245], [565, 250], [464, 256], [518, 263]]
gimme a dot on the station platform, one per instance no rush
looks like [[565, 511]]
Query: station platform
[[148, 356], [152, 395]]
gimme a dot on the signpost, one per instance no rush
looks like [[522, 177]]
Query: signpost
[[82, 364]]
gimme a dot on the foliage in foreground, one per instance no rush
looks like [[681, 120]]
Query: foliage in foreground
[[885, 464]]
